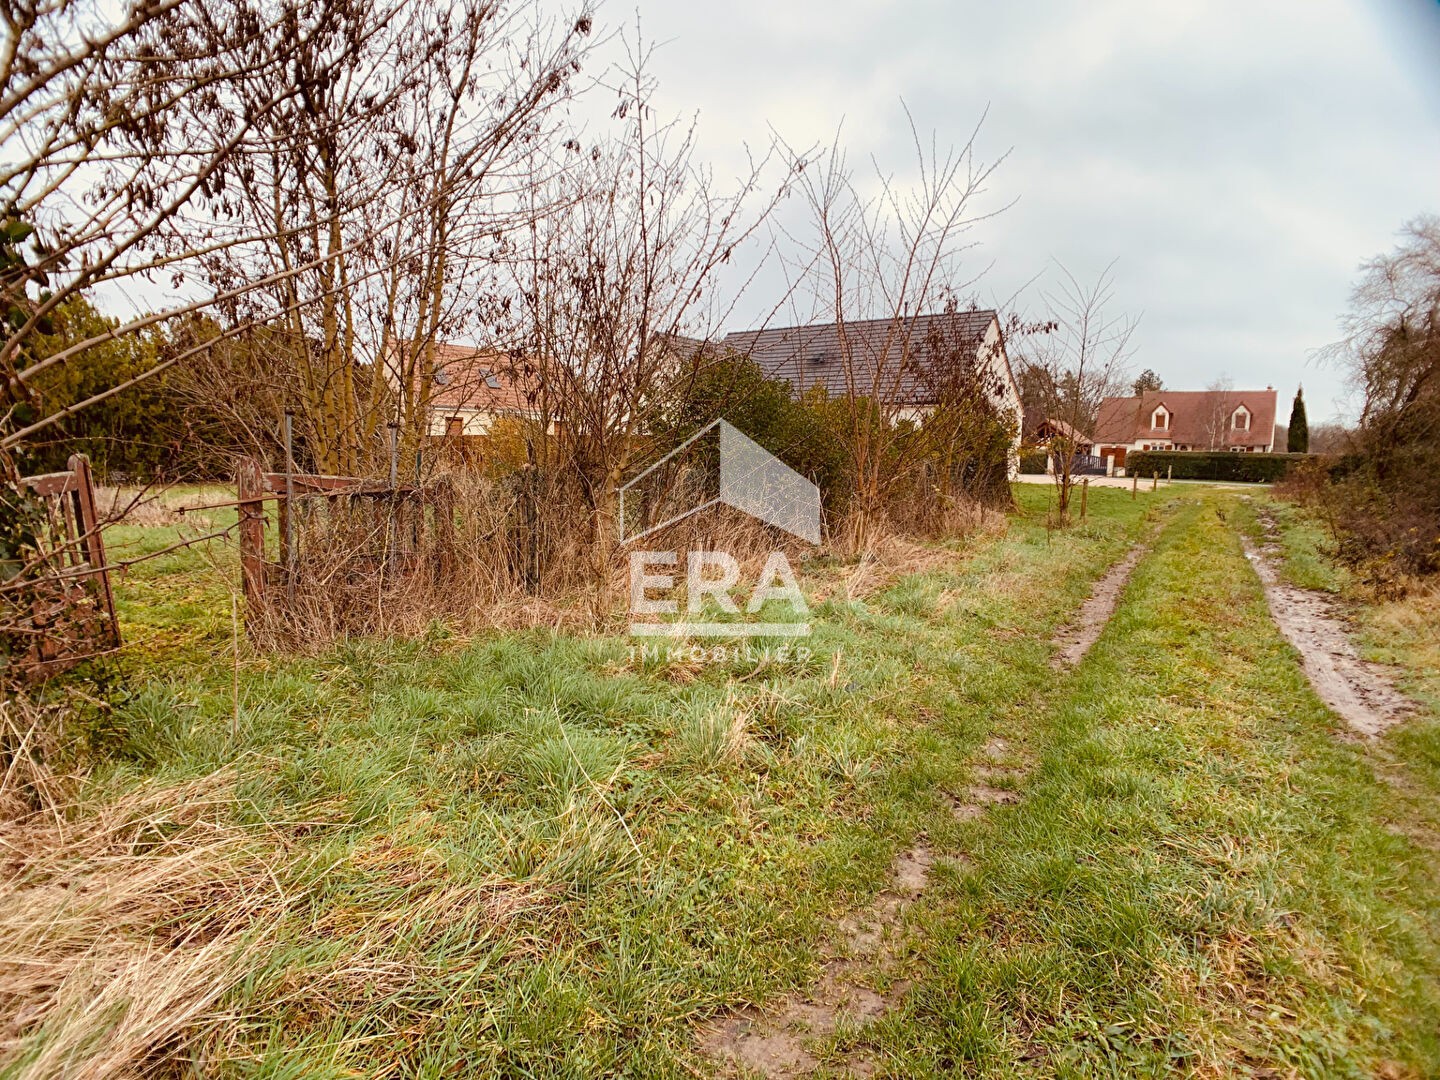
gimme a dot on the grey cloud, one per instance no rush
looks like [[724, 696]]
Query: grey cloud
[[1239, 160]]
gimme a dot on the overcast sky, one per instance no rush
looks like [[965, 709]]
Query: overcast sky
[[1237, 159]]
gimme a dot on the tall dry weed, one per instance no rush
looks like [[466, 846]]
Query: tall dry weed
[[123, 923]]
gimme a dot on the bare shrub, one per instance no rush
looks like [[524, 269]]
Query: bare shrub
[[882, 253], [371, 566], [1384, 502], [1073, 366]]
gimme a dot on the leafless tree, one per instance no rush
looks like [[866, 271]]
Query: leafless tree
[[880, 249], [380, 202], [333, 173], [1330, 439], [1388, 504], [615, 285], [1083, 360], [1218, 409], [1391, 343], [99, 159]]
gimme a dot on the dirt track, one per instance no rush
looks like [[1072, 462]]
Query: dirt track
[[1074, 639], [1358, 691]]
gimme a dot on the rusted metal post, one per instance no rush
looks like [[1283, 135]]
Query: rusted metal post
[[89, 529], [444, 510], [392, 534], [248, 494], [287, 509]]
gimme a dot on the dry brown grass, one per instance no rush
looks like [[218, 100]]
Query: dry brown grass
[[29, 743], [126, 919], [1410, 630], [122, 925], [891, 553], [139, 506], [514, 564]]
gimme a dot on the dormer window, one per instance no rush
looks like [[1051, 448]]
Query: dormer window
[[1240, 419], [1160, 419], [441, 376]]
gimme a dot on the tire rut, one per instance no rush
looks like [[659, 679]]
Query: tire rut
[[1075, 639], [1359, 692]]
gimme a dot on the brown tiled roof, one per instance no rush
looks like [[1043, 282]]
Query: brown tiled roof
[[491, 380], [1063, 430], [467, 377], [1125, 420], [896, 350]]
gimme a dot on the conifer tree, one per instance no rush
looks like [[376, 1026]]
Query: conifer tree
[[1298, 441]]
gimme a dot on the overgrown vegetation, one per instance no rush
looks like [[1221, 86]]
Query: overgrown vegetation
[[1384, 507], [546, 853]]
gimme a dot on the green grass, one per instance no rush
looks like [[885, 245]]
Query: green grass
[[1403, 634], [532, 854], [1200, 879]]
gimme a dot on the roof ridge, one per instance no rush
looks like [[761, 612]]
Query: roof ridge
[[992, 312]]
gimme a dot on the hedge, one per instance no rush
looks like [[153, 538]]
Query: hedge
[[1032, 462], [1211, 465]]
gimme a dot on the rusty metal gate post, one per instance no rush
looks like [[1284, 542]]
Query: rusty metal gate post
[[249, 492]]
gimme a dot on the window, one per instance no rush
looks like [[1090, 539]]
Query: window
[[1240, 419], [454, 427], [1160, 418]]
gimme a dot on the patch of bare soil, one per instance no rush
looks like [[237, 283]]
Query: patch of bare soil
[[1358, 691], [997, 768], [775, 1045], [1073, 640]]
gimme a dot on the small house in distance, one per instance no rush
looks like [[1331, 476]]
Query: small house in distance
[[898, 359], [1242, 421], [472, 388], [1051, 429]]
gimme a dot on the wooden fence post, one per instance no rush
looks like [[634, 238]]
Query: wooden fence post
[[248, 492], [1154, 480], [89, 527], [1134, 484], [1084, 496]]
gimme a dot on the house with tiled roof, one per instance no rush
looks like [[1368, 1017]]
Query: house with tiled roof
[[1242, 421], [905, 362], [472, 387], [1049, 429]]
